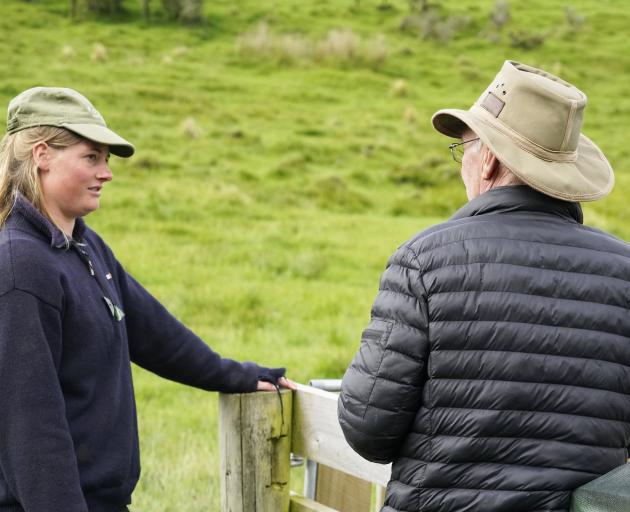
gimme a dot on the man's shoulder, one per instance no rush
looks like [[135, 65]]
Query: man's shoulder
[[605, 241], [514, 228], [444, 233]]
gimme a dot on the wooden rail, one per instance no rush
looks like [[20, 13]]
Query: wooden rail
[[259, 431]]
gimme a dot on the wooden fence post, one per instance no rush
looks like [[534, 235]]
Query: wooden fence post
[[255, 442]]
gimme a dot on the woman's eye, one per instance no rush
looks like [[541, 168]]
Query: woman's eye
[[92, 157]]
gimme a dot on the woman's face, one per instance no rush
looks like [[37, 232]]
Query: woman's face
[[72, 180]]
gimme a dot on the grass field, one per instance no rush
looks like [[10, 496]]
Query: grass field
[[284, 150]]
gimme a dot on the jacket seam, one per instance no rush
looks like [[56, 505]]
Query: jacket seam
[[17, 288], [532, 295], [536, 295], [370, 434], [436, 269], [413, 358], [535, 439], [404, 294], [420, 279], [493, 463], [466, 320], [396, 322], [542, 354], [396, 382], [624, 422], [467, 239], [384, 336], [533, 383], [499, 490]]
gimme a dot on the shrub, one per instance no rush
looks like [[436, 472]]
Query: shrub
[[500, 15], [526, 40], [188, 11], [427, 22], [191, 11], [172, 8], [104, 6]]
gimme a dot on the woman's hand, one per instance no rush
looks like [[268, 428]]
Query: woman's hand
[[283, 382]]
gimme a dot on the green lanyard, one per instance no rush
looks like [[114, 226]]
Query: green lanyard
[[115, 310]]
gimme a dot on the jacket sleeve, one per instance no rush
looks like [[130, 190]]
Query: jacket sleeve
[[163, 345], [381, 390], [37, 456]]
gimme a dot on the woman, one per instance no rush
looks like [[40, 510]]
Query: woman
[[72, 320]]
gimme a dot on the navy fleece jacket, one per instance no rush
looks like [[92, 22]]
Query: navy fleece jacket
[[68, 433]]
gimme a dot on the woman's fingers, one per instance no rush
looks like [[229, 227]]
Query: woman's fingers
[[283, 382], [265, 386], [286, 383]]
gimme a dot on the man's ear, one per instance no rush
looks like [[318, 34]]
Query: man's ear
[[41, 155], [489, 164]]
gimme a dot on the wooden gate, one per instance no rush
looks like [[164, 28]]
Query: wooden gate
[[259, 431]]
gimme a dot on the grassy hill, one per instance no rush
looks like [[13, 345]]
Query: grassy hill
[[284, 151]]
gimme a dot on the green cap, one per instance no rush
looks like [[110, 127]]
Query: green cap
[[64, 108]]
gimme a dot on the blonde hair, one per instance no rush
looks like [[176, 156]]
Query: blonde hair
[[18, 168]]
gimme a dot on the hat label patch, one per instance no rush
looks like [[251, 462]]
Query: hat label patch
[[493, 104]]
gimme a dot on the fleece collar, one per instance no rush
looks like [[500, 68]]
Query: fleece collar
[[25, 209]]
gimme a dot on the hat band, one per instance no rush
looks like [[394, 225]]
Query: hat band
[[31, 120], [524, 143]]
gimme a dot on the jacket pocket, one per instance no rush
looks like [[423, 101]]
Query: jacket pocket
[[377, 332]]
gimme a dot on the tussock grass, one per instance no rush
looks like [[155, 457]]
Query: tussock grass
[[338, 45], [190, 128], [99, 52]]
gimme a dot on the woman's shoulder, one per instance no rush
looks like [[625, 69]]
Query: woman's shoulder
[[27, 263]]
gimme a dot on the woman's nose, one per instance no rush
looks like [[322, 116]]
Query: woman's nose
[[105, 173]]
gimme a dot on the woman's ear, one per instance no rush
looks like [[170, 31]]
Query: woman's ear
[[41, 155]]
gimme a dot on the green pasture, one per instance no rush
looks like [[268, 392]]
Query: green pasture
[[276, 172]]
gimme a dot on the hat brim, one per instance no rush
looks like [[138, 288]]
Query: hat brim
[[103, 135], [588, 178]]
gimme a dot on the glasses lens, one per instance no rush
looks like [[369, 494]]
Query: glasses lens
[[457, 150]]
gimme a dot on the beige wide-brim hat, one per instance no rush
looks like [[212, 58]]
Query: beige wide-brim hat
[[531, 120]]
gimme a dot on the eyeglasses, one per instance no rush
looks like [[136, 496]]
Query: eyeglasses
[[457, 149]]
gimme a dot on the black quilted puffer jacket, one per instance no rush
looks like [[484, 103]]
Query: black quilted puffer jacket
[[495, 372]]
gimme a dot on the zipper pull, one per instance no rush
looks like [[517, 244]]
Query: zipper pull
[[92, 273], [88, 260]]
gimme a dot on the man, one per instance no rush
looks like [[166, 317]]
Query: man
[[495, 371]]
